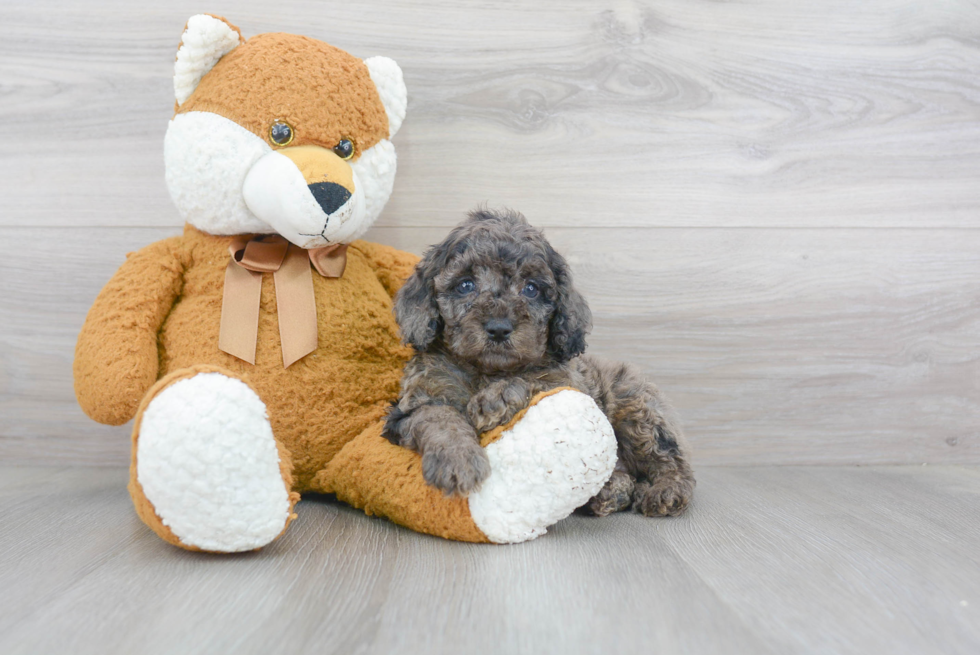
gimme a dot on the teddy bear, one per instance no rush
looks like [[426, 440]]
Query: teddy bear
[[257, 352]]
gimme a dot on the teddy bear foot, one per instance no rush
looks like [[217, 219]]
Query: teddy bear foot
[[207, 472], [550, 461]]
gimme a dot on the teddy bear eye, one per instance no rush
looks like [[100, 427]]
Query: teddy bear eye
[[465, 287], [344, 149], [530, 290], [281, 133]]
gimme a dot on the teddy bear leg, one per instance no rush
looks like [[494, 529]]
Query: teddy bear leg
[[207, 473], [548, 460]]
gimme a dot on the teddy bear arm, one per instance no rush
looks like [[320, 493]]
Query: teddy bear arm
[[392, 266], [116, 358]]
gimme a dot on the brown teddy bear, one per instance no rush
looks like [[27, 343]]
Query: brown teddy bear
[[258, 353]]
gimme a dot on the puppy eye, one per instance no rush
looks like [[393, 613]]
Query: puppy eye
[[281, 133], [465, 287], [344, 149], [530, 290]]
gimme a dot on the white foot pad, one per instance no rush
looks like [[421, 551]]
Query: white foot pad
[[208, 462], [553, 461]]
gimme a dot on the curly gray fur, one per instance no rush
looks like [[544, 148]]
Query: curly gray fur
[[494, 319]]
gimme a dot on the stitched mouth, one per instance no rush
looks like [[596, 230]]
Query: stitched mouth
[[320, 233]]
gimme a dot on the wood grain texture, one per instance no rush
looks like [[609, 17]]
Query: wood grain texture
[[773, 113], [776, 346], [767, 560], [772, 205]]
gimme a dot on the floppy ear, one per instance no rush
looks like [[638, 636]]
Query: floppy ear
[[415, 305], [205, 40], [572, 319], [390, 82]]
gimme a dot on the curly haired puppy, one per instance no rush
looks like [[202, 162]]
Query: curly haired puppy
[[493, 319]]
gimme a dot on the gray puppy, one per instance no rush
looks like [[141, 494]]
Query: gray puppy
[[494, 319]]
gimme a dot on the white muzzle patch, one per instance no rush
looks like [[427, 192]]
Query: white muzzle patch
[[226, 180], [275, 191]]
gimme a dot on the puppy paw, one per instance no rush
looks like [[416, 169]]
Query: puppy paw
[[664, 496], [455, 468], [497, 403], [615, 496]]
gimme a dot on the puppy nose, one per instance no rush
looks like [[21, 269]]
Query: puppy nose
[[499, 329], [329, 196]]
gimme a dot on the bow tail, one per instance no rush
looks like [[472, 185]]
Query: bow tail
[[296, 306], [240, 312]]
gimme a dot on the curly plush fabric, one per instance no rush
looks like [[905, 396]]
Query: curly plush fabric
[[274, 76], [547, 460], [405, 498], [159, 317], [206, 39], [170, 293], [223, 448], [180, 479]]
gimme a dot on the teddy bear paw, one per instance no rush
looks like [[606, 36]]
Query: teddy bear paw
[[553, 460], [207, 462]]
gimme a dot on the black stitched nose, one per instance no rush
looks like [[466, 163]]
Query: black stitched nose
[[499, 329], [329, 195]]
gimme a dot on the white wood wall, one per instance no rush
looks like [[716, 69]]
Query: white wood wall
[[772, 206]]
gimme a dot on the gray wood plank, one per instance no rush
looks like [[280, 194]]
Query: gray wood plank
[[337, 582], [833, 561], [776, 113], [780, 560], [776, 346]]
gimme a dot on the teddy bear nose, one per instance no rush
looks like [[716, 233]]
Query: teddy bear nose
[[329, 196], [499, 329]]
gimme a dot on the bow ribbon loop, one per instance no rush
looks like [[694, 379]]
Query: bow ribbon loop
[[251, 257], [329, 261], [261, 254]]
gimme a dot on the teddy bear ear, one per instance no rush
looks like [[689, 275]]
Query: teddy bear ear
[[205, 40], [388, 79]]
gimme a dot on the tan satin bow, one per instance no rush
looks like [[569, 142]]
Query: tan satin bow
[[295, 303]]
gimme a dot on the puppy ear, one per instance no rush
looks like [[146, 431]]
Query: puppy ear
[[415, 306], [572, 319]]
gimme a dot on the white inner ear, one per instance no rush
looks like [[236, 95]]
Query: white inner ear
[[388, 79], [204, 42]]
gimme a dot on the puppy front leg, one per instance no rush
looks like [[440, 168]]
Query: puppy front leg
[[452, 459], [496, 403]]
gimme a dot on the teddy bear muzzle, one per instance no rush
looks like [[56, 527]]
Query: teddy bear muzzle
[[306, 193]]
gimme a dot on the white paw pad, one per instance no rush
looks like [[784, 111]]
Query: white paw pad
[[208, 462], [552, 461]]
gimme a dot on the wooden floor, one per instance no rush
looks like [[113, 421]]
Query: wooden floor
[[768, 560]]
